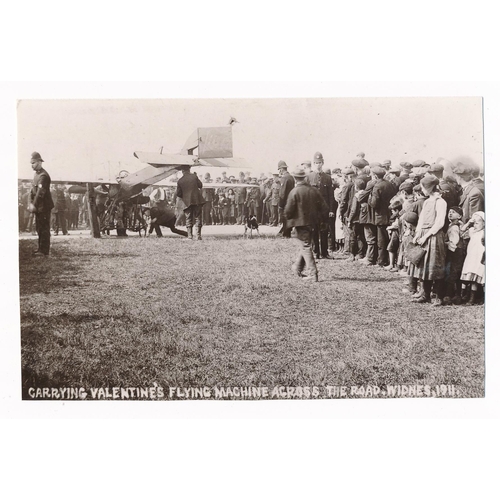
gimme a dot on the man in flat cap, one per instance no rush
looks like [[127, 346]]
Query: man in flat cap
[[476, 178], [379, 200], [393, 176], [189, 190], [472, 200], [345, 203], [287, 184], [304, 209], [41, 204], [323, 182], [406, 167]]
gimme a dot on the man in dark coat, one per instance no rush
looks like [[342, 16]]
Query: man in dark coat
[[304, 209], [345, 203], [323, 182], [61, 206], [189, 191], [472, 199], [379, 200], [287, 184], [41, 204], [164, 216]]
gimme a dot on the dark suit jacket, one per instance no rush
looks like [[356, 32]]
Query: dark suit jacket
[[324, 183], [189, 189], [366, 212], [40, 192], [472, 201], [346, 196], [287, 184], [479, 183], [379, 200], [305, 206]]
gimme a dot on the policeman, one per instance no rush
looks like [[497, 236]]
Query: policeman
[[323, 182], [41, 204]]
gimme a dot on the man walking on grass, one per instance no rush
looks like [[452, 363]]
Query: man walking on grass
[[305, 208]]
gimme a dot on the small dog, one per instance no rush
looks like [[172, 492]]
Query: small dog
[[252, 224]]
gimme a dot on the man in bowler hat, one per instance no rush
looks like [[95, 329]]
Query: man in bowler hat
[[41, 204]]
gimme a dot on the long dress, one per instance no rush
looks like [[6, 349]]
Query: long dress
[[432, 265], [473, 270]]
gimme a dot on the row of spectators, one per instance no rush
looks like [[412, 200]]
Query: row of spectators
[[68, 212], [415, 220]]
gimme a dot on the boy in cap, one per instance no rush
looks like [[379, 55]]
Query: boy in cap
[[304, 210], [455, 256], [357, 242], [379, 200], [41, 204]]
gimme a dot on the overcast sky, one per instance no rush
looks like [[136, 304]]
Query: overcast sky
[[89, 138]]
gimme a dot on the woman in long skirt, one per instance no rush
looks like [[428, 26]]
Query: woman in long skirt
[[430, 236]]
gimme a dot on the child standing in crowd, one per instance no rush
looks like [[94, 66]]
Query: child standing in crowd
[[357, 242], [393, 231], [410, 221], [454, 257], [225, 206], [473, 269]]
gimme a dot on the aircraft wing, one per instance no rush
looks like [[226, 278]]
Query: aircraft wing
[[162, 160], [211, 185], [82, 181], [239, 163]]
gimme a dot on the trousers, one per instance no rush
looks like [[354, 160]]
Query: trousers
[[382, 242], [305, 259], [371, 243], [43, 230]]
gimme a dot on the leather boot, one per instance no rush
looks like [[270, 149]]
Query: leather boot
[[199, 233], [472, 298], [189, 232]]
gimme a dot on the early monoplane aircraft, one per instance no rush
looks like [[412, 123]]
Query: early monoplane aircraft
[[122, 200]]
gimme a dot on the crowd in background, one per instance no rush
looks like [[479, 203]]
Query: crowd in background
[[69, 210]]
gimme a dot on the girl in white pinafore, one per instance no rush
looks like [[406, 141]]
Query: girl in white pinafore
[[473, 269]]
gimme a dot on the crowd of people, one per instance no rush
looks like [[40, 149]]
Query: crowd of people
[[423, 221], [409, 219], [229, 205], [69, 210]]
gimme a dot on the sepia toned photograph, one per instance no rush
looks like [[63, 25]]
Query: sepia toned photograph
[[251, 249]]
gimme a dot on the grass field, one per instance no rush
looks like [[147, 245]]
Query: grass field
[[227, 312]]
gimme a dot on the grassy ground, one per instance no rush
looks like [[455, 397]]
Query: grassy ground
[[228, 312]]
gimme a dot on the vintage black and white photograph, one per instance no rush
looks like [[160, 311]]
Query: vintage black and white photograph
[[251, 249]]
